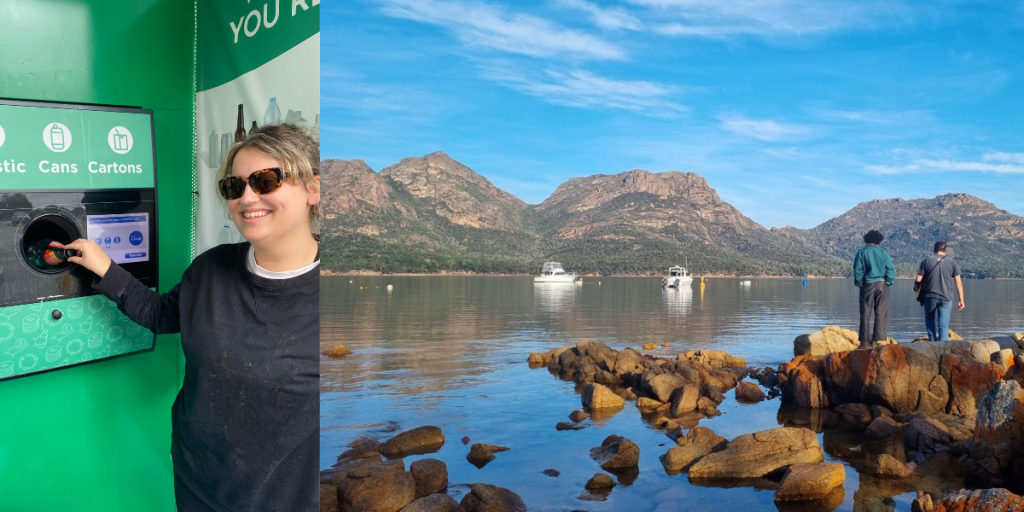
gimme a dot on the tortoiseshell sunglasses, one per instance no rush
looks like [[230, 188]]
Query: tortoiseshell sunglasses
[[263, 181]]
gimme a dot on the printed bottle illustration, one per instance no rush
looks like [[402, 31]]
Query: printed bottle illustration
[[293, 116], [315, 130], [226, 235], [225, 145], [47, 254], [215, 154], [273, 115], [253, 128], [240, 125]]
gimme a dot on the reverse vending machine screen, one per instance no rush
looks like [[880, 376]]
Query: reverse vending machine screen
[[70, 172], [125, 237]]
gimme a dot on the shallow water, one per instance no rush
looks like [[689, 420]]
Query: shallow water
[[451, 352]]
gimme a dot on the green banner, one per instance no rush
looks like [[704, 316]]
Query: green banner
[[236, 36], [50, 147], [258, 64]]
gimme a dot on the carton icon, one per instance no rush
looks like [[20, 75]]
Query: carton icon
[[120, 140]]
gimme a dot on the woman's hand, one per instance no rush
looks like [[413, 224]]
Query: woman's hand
[[91, 256]]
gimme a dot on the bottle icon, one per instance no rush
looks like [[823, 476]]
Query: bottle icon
[[273, 115], [253, 128], [240, 126], [47, 254]]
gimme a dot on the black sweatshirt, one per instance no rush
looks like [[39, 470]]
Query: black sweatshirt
[[246, 421]]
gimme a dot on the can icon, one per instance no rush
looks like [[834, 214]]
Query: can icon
[[57, 137]]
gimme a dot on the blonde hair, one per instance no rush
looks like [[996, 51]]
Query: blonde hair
[[294, 148]]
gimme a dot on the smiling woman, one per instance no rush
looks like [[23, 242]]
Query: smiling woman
[[245, 426], [280, 163]]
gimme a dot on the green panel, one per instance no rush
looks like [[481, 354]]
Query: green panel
[[96, 437], [112, 52], [265, 29], [89, 426], [70, 148], [89, 329]]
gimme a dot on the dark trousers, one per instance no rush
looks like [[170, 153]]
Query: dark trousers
[[874, 299]]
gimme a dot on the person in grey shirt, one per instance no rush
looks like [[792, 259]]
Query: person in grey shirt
[[935, 279]]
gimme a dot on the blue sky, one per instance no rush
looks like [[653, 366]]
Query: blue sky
[[794, 110]]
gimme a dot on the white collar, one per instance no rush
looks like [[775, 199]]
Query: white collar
[[250, 263]]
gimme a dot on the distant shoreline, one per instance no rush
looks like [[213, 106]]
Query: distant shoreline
[[372, 273]]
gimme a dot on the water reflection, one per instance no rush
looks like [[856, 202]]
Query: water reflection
[[678, 300], [451, 352], [552, 298]]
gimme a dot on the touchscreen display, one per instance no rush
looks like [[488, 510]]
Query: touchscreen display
[[124, 237]]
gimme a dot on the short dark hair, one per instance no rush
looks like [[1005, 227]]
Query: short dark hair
[[873, 237], [940, 246]]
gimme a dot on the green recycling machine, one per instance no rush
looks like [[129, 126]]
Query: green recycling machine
[[97, 138], [70, 172]]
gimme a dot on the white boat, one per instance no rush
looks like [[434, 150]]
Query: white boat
[[554, 273], [677, 278]]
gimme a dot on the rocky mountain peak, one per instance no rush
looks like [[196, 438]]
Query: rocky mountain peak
[[961, 199], [456, 192], [352, 186], [582, 194]]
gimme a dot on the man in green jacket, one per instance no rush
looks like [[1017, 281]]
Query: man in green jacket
[[873, 273]]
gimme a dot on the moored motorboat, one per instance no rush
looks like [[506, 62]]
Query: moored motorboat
[[677, 278], [552, 272]]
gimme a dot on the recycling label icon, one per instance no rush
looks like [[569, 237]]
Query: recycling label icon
[[57, 137], [120, 140]]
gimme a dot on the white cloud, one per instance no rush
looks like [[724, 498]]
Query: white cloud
[[610, 18], [724, 18], [946, 166], [1017, 158], [580, 88], [354, 92], [485, 25], [878, 116], [763, 129]]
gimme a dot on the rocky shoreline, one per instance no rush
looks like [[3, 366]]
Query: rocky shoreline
[[898, 414]]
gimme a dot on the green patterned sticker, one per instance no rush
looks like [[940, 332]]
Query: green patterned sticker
[[89, 328]]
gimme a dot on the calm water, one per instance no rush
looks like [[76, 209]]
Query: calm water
[[451, 352]]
